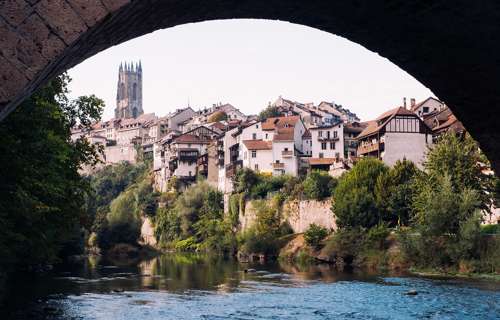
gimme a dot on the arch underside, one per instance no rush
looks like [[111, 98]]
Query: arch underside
[[449, 46]]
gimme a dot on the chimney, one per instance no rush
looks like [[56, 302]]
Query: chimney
[[213, 104], [404, 102], [412, 102]]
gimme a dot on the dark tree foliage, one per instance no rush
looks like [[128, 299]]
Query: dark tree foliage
[[246, 179], [269, 112], [43, 195]]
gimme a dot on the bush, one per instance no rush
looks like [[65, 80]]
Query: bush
[[314, 235], [188, 244], [490, 228], [285, 229], [119, 232], [377, 236], [345, 244], [256, 242]]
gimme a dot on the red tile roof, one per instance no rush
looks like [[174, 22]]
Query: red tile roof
[[193, 138], [307, 134], [372, 127], [286, 128], [257, 145]]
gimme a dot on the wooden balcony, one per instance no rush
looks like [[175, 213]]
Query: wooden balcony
[[235, 153], [172, 167], [203, 169], [202, 160], [371, 148], [219, 162], [286, 154], [233, 168], [189, 178], [279, 166], [326, 139]]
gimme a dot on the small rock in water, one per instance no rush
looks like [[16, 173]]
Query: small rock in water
[[245, 261], [129, 295], [412, 293], [118, 290], [249, 270]]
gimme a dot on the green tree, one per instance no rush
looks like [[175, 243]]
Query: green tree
[[43, 194], [317, 184], [219, 116], [188, 206], [461, 160], [354, 203], [246, 179], [314, 235], [269, 112]]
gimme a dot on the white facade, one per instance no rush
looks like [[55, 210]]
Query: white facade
[[427, 106], [328, 142], [405, 144]]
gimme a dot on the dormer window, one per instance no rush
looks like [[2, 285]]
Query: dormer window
[[286, 125]]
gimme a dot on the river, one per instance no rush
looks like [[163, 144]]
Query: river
[[205, 286]]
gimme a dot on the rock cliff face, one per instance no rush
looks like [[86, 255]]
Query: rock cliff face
[[147, 233], [299, 213]]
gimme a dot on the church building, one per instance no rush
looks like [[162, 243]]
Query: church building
[[129, 92]]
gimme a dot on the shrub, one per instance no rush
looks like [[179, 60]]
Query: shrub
[[188, 244], [314, 235], [490, 228], [285, 229], [119, 232], [345, 244], [378, 235], [256, 242]]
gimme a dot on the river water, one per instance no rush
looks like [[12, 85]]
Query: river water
[[206, 286]]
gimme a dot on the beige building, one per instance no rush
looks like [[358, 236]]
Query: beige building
[[133, 128]]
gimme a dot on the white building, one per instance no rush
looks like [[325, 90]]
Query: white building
[[425, 107], [395, 134], [133, 128], [328, 141]]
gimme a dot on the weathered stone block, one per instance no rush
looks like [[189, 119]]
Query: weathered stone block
[[15, 11], [114, 5], [46, 42], [90, 11], [12, 81], [63, 20], [19, 52]]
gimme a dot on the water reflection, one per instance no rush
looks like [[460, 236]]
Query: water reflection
[[173, 282]]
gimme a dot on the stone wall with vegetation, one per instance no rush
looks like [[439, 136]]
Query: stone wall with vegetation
[[299, 213]]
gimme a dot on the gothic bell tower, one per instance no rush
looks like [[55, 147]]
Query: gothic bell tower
[[129, 92]]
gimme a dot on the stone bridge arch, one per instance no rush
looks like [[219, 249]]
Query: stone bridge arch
[[450, 46]]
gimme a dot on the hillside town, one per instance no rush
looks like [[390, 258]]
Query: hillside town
[[307, 136]]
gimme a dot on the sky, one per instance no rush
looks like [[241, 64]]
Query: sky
[[249, 64]]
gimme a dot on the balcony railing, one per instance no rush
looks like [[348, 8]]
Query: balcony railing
[[190, 178], [235, 153], [331, 139], [286, 153], [370, 148], [233, 167], [279, 166]]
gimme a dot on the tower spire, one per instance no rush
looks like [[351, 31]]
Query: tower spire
[[140, 67]]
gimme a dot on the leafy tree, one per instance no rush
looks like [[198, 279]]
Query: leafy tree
[[43, 194], [246, 179], [189, 204], [211, 214], [318, 183], [461, 160], [400, 202], [219, 116], [269, 112], [354, 203], [314, 235]]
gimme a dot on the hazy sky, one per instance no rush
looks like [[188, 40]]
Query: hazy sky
[[249, 63]]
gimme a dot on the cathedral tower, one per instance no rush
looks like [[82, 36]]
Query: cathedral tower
[[129, 92]]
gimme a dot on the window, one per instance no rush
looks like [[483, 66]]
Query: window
[[256, 167], [266, 135], [352, 153], [190, 173], [254, 136], [347, 143], [257, 127], [337, 154], [332, 145], [335, 134], [189, 145], [321, 156], [245, 155], [349, 135], [254, 154], [328, 134], [189, 162], [426, 109], [323, 146], [286, 149], [320, 133]]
